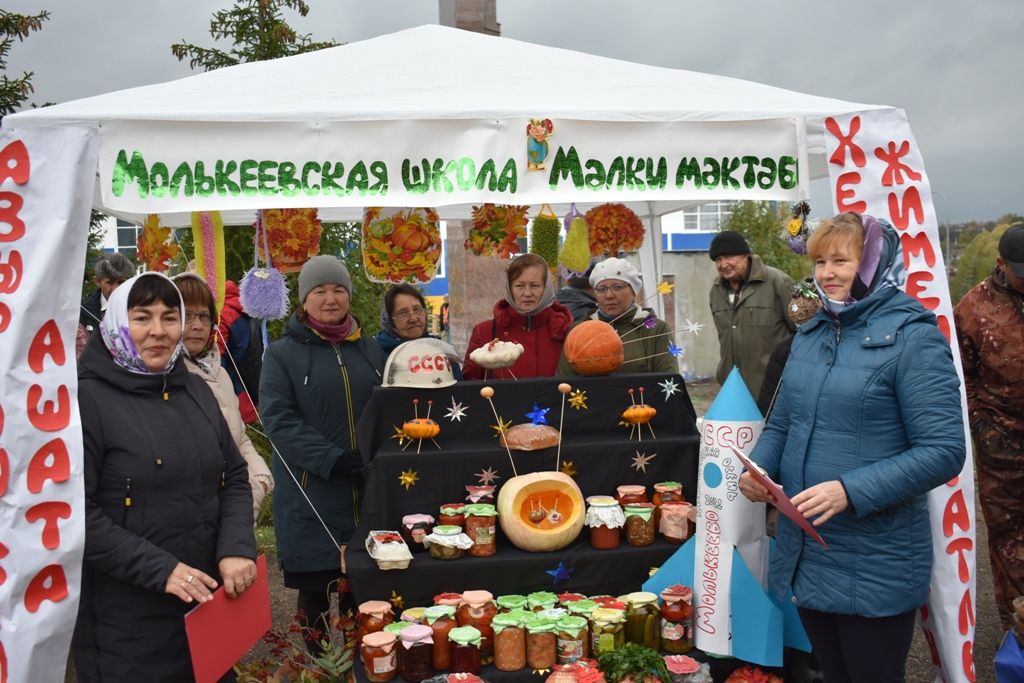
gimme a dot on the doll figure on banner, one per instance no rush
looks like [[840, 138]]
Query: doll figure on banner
[[538, 131], [726, 561]]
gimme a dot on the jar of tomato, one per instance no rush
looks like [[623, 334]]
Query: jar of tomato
[[441, 620], [643, 619], [541, 600], [571, 639], [541, 643], [631, 493], [378, 654], [674, 524], [565, 598], [481, 529], [414, 528], [509, 641], [464, 642], [605, 519], [677, 619], [452, 514], [607, 633], [477, 610], [372, 616], [418, 647], [639, 524], [665, 492], [480, 494], [452, 599], [507, 603]]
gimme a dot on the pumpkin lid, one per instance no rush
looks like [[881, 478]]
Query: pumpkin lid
[[511, 601], [380, 639], [608, 616], [465, 635], [377, 607], [641, 598], [664, 486], [435, 612], [413, 614], [481, 510], [541, 599], [477, 598], [411, 520], [508, 620]]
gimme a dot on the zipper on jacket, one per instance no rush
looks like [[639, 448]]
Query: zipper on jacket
[[127, 500], [223, 466], [348, 399], [165, 388]]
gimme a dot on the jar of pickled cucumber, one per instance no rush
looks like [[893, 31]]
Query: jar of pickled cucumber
[[607, 632], [643, 620]]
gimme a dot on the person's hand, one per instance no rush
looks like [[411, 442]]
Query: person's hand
[[752, 490], [824, 500], [189, 584], [238, 574]]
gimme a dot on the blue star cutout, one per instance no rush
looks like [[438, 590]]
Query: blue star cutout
[[538, 415], [561, 573], [676, 351]]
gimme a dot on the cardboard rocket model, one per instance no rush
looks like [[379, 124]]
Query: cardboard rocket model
[[726, 561]]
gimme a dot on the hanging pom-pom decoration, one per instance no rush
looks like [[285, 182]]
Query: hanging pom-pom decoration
[[208, 237], [544, 236], [797, 229], [575, 255], [263, 290]]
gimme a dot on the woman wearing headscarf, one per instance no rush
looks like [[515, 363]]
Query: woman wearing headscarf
[[167, 499], [528, 315], [316, 380], [403, 317], [202, 357], [646, 338], [866, 421]]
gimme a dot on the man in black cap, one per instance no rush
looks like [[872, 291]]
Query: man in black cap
[[748, 302], [990, 326]]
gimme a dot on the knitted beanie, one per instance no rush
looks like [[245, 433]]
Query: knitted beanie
[[728, 243], [321, 270]]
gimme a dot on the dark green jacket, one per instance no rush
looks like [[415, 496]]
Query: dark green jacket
[[311, 396], [638, 342], [749, 330]]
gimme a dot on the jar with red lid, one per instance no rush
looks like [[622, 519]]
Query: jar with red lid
[[565, 598], [441, 620], [639, 524], [631, 493], [480, 528], [414, 529], [372, 616], [477, 609], [418, 647], [480, 494], [379, 656], [452, 514], [675, 522], [605, 520], [451, 599], [465, 642], [677, 619]]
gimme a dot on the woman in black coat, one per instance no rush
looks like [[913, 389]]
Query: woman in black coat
[[167, 499]]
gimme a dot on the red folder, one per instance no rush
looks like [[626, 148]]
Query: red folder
[[222, 630], [779, 499]]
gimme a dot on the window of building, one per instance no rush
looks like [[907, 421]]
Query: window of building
[[127, 238]]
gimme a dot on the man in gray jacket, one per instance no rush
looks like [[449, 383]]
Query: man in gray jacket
[[748, 301]]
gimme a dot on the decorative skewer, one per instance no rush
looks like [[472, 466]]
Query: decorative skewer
[[643, 402], [633, 426], [488, 393], [565, 389]]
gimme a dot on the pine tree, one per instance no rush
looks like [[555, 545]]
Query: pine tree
[[14, 91]]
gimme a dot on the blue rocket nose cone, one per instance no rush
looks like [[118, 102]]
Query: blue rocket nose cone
[[734, 402]]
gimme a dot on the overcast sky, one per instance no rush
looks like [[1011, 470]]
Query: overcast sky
[[956, 67]]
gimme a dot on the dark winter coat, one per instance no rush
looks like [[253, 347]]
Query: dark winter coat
[[647, 343], [164, 483], [870, 399], [580, 304], [541, 335], [312, 393], [773, 375], [92, 314]]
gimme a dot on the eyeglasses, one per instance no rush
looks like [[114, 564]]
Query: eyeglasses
[[618, 287], [204, 318], [405, 315]]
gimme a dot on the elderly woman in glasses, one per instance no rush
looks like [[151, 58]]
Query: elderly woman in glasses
[[403, 317], [616, 283]]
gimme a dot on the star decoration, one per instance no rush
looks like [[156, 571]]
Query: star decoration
[[651, 323], [501, 427], [488, 477], [568, 468], [578, 399], [664, 287], [674, 350], [542, 672], [408, 478], [397, 600], [669, 387], [692, 327], [400, 435], [561, 573], [642, 460], [456, 412], [538, 415]]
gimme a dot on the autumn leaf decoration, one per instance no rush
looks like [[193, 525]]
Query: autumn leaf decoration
[[614, 228], [401, 245], [156, 246], [293, 236], [496, 229]]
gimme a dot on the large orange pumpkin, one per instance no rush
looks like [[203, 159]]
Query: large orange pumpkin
[[594, 348], [557, 499]]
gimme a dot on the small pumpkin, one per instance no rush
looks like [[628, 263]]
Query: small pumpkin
[[594, 348], [639, 414], [554, 493], [421, 428]]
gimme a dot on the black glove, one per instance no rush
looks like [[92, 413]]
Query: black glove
[[348, 465]]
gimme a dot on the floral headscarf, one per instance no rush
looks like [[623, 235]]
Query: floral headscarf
[[116, 334], [881, 263]]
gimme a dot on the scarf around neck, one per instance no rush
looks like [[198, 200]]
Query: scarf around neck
[[332, 333], [116, 333]]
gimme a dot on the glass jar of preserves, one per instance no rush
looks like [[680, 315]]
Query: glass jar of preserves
[[480, 494], [667, 491], [607, 632], [414, 529], [378, 654], [480, 529], [477, 610], [584, 609], [605, 519], [452, 599], [447, 542], [372, 616], [677, 619], [608, 602], [565, 598], [509, 641], [631, 493], [639, 524], [464, 657], [441, 620], [418, 647], [643, 620], [452, 514], [396, 628], [674, 524], [541, 643], [413, 615], [553, 614], [541, 600], [572, 639], [507, 603]]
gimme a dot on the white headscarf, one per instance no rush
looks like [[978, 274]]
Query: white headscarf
[[117, 336]]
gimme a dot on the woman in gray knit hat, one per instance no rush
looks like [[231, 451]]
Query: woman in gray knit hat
[[315, 381]]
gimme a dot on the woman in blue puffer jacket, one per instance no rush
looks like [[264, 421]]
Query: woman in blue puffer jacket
[[866, 422]]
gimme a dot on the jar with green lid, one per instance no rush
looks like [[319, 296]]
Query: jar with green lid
[[639, 524], [541, 600], [607, 631], [584, 609], [464, 642], [553, 614], [541, 642], [643, 620], [481, 529], [396, 628], [571, 639], [509, 641], [441, 620], [452, 514], [507, 603], [447, 542]]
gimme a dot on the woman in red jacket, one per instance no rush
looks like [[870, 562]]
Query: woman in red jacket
[[528, 315]]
